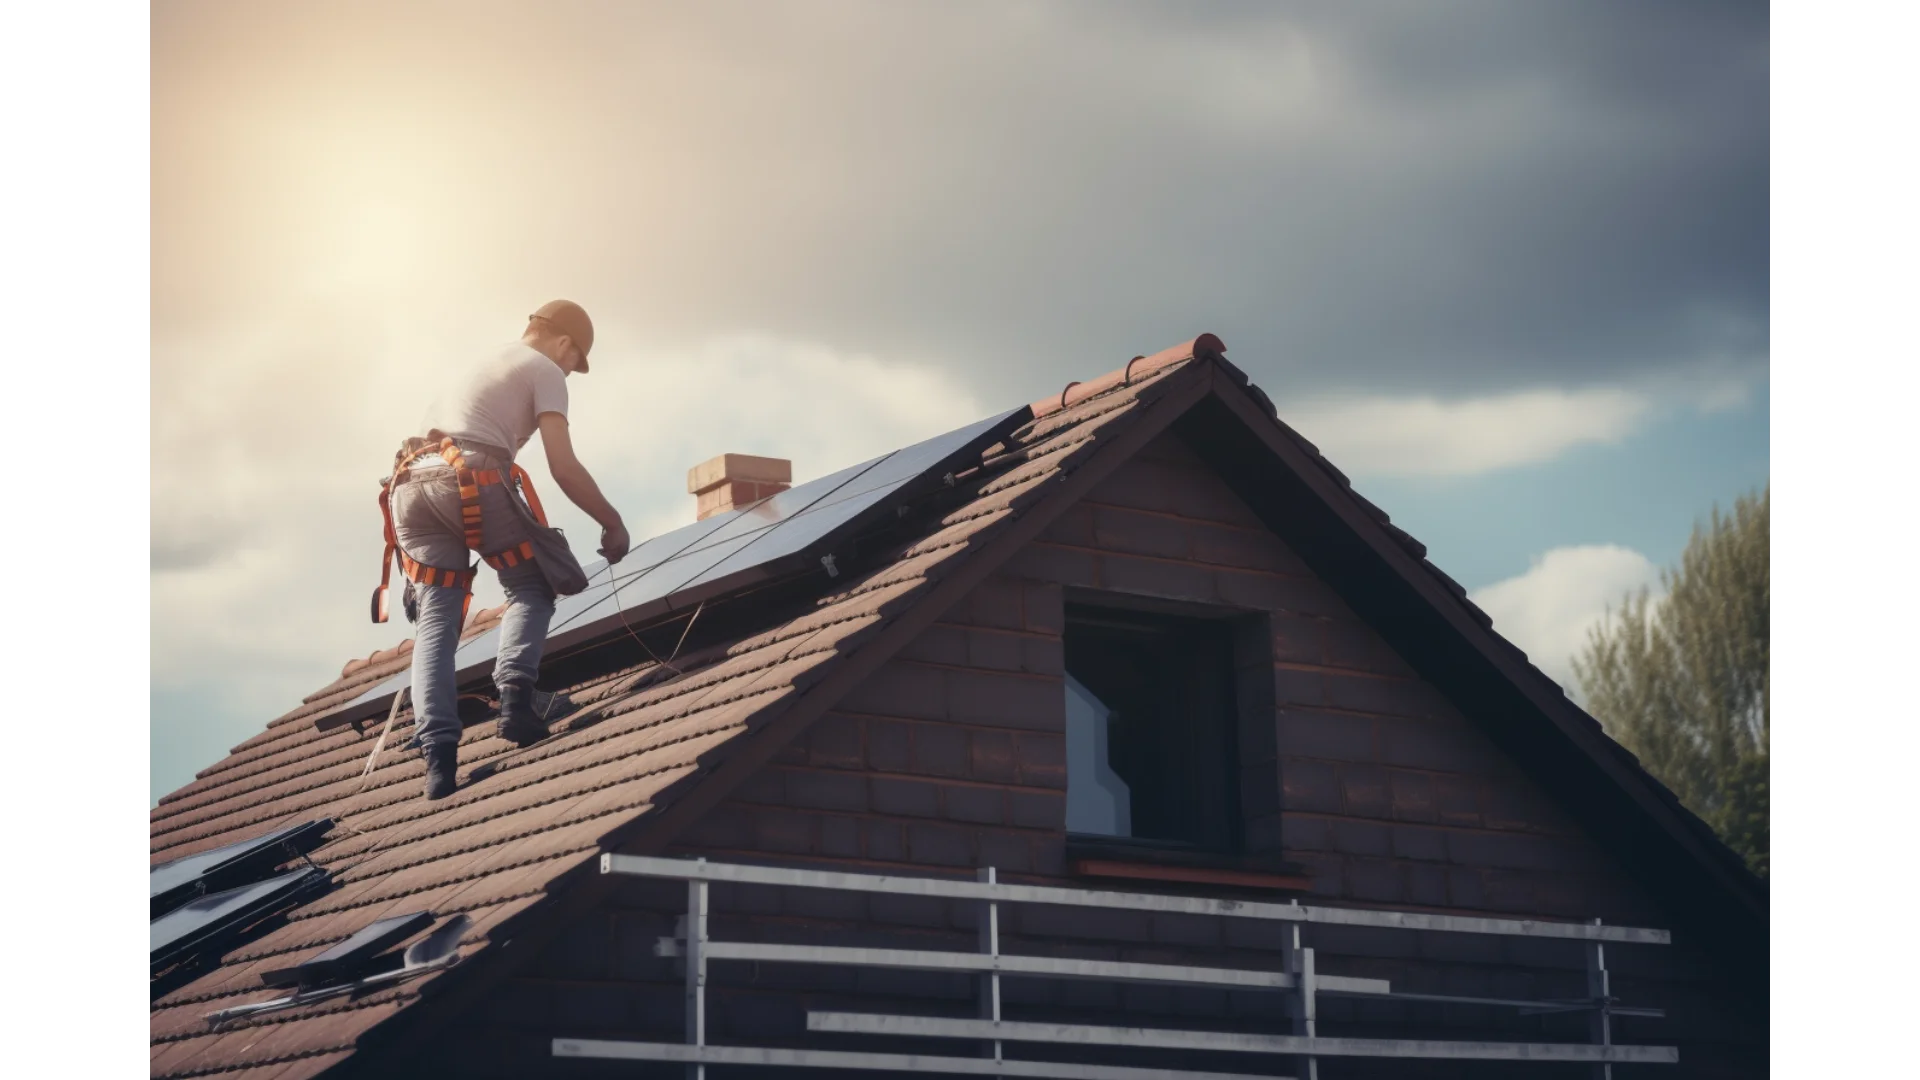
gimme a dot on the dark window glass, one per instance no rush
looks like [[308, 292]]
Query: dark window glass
[[1163, 769]]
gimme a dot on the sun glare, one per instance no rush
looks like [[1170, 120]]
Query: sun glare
[[374, 243]]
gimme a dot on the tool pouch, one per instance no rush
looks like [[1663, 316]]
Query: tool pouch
[[551, 553], [555, 560]]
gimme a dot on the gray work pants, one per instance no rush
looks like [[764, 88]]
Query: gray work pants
[[426, 520]]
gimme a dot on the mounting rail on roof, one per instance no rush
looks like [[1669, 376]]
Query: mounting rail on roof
[[787, 533]]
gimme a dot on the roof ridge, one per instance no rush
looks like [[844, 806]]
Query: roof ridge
[[1203, 347]]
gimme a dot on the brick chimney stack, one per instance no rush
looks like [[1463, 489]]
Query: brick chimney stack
[[731, 481]]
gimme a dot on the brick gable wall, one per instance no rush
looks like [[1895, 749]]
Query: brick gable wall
[[952, 756]]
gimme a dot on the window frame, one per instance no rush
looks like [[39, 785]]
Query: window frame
[[1257, 862]]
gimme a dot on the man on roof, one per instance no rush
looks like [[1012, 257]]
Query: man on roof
[[457, 490]]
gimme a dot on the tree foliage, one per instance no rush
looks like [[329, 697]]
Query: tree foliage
[[1682, 679]]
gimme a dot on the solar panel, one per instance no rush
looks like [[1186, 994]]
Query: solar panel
[[758, 560], [897, 478], [771, 511], [719, 530], [657, 554], [204, 922], [774, 537], [173, 883], [345, 959], [162, 880]]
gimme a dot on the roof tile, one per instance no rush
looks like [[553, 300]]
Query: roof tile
[[302, 1069], [1406, 541], [1330, 469], [1204, 346], [1304, 443]]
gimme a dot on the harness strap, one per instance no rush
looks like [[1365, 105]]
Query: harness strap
[[401, 464], [533, 498], [446, 579], [433, 575], [469, 491], [512, 557], [470, 482]]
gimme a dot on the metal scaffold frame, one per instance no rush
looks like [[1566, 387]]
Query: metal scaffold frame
[[1297, 979]]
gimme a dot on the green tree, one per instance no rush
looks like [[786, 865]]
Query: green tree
[[1682, 680]]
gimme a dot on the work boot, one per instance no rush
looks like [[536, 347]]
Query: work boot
[[442, 760], [520, 723]]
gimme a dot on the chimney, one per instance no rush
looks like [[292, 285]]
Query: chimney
[[731, 481]]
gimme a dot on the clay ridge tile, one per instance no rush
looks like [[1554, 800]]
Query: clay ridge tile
[[477, 623], [1206, 346], [405, 648]]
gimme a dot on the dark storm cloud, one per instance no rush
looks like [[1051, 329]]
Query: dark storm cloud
[[1446, 197], [1455, 197]]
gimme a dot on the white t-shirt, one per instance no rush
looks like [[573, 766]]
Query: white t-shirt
[[499, 402]]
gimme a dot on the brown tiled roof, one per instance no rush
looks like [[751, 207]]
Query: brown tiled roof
[[500, 845], [525, 829]]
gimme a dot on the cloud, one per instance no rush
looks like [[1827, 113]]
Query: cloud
[[1428, 436], [1548, 610], [1432, 199], [1432, 437]]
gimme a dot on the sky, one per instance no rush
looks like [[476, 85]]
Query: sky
[[1505, 263]]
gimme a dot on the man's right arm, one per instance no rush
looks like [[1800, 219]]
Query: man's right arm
[[577, 484]]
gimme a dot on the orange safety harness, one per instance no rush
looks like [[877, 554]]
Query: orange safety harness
[[470, 480]]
